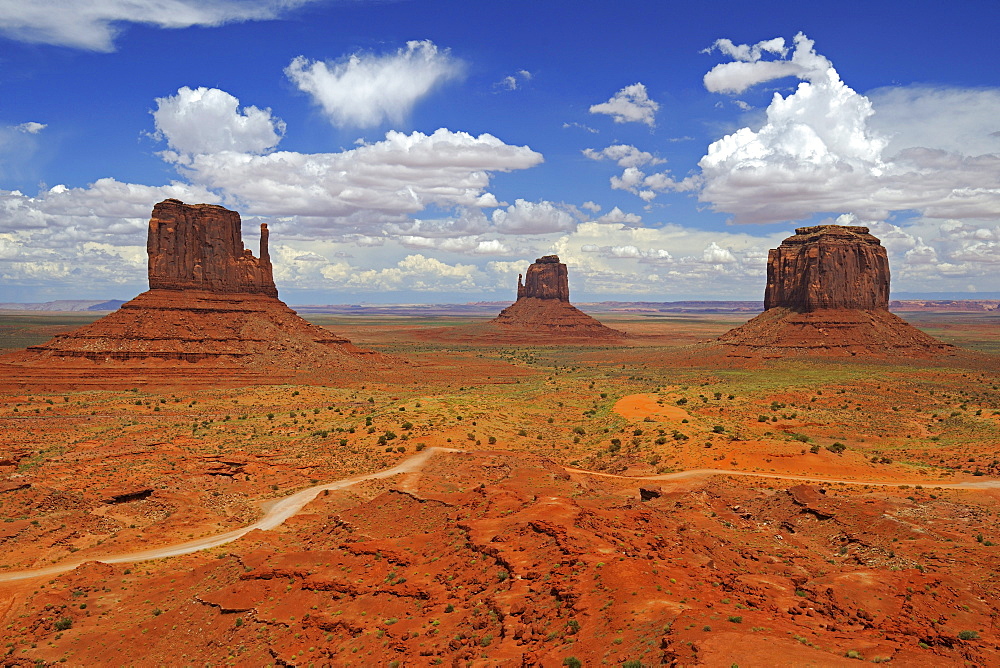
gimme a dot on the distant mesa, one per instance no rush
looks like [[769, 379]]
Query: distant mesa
[[211, 316], [828, 294], [543, 311]]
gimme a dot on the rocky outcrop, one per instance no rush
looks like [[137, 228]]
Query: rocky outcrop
[[543, 311], [828, 267], [547, 278], [828, 294], [200, 247], [210, 317]]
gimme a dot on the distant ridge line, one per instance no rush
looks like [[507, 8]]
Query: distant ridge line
[[490, 307]]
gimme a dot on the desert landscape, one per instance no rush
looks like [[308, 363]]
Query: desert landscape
[[205, 477]]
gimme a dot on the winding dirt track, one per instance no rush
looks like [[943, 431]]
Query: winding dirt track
[[275, 513]]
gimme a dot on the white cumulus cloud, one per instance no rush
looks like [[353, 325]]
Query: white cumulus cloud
[[823, 148], [616, 215], [514, 81], [208, 120], [629, 105], [525, 217], [31, 127], [94, 24], [624, 154], [365, 90], [402, 174]]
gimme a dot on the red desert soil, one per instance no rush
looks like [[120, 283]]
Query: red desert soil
[[507, 559], [516, 553]]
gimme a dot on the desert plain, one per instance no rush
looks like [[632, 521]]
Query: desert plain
[[641, 502]]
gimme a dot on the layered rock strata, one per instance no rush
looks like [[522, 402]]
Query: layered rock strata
[[828, 267], [200, 247], [828, 294], [543, 310], [210, 317], [547, 278]]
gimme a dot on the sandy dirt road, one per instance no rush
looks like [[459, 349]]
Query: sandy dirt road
[[276, 512]]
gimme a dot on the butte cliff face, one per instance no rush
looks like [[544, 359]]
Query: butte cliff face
[[200, 247], [210, 317], [828, 294], [828, 267], [543, 311], [547, 278]]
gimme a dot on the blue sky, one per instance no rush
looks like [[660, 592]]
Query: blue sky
[[428, 151]]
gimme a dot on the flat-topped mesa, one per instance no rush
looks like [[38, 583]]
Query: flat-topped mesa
[[828, 267], [200, 247], [547, 278], [828, 294]]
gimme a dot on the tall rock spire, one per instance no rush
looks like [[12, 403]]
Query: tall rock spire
[[547, 278]]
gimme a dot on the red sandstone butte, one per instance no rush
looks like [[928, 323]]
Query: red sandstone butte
[[542, 309], [828, 267], [547, 278], [200, 247], [828, 294], [211, 316]]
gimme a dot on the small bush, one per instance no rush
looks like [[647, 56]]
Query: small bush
[[572, 662], [67, 622], [735, 619], [967, 635]]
